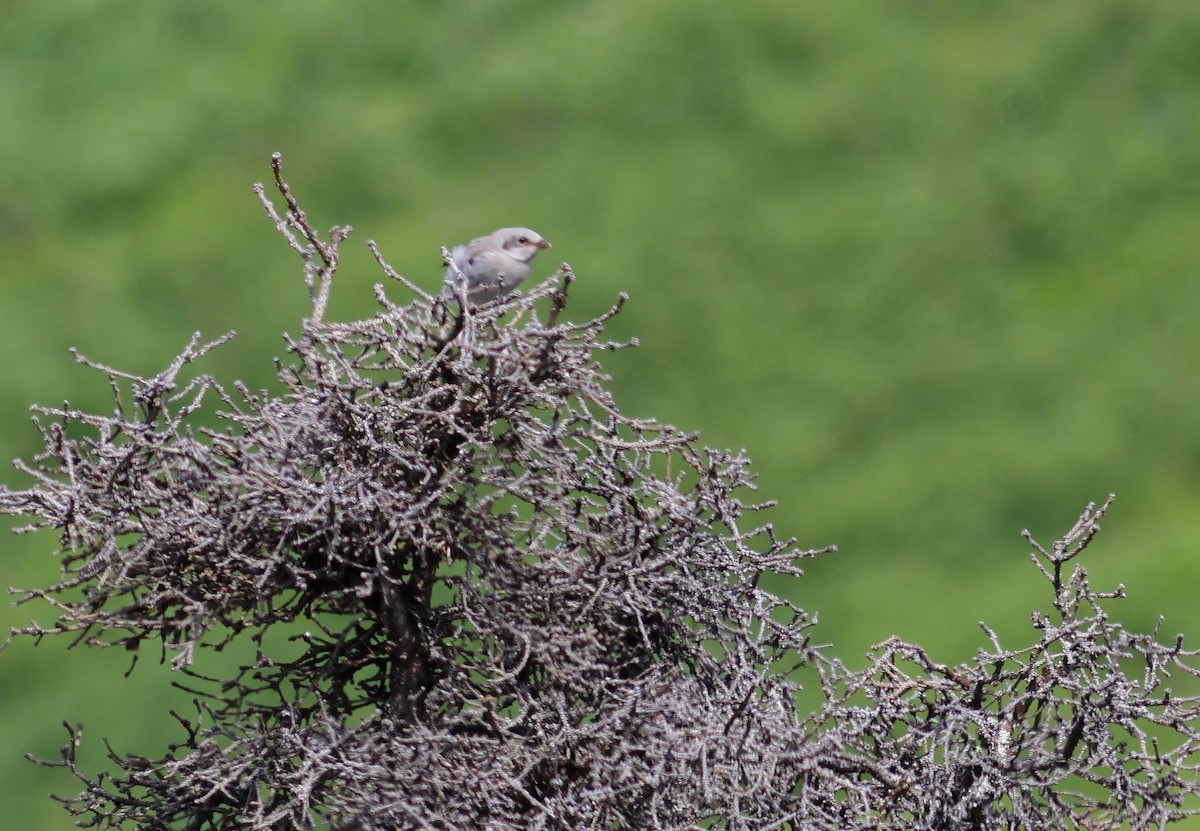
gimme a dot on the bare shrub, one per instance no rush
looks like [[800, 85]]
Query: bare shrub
[[482, 597]]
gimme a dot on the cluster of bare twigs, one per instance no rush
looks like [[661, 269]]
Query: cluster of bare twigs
[[522, 609], [1079, 730]]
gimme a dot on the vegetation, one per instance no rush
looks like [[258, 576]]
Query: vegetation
[[522, 609], [937, 259]]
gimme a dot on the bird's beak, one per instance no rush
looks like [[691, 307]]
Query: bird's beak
[[543, 244]]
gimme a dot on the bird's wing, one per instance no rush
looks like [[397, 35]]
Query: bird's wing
[[489, 264], [480, 245]]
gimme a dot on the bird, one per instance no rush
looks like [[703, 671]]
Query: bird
[[494, 265]]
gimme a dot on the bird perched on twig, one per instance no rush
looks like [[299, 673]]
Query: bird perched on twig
[[493, 266]]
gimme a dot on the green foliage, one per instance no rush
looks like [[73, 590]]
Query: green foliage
[[932, 264]]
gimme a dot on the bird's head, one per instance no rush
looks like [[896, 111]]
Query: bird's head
[[522, 244]]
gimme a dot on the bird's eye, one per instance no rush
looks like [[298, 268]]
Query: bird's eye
[[523, 240]]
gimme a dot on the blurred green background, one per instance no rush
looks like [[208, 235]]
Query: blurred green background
[[933, 264]]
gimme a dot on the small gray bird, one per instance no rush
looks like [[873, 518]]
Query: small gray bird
[[494, 265]]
